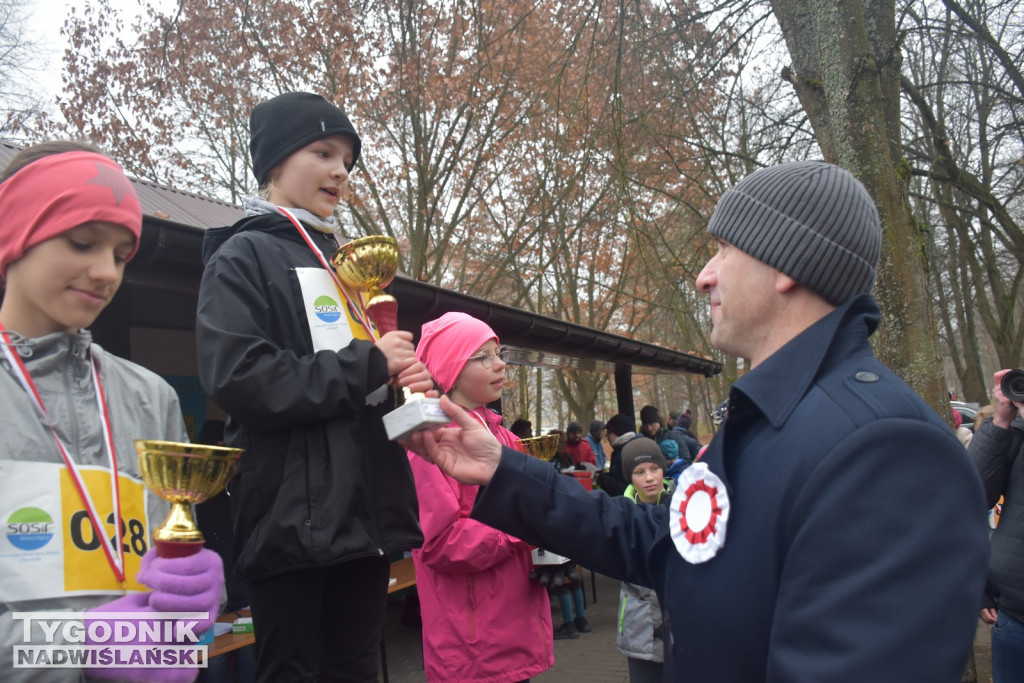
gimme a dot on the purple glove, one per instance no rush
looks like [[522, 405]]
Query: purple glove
[[184, 584], [180, 584]]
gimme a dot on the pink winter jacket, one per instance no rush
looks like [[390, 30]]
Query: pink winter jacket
[[483, 620]]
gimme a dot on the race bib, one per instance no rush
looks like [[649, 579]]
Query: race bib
[[49, 547], [332, 322]]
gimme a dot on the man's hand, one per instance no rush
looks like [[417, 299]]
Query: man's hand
[[1006, 409], [989, 615], [468, 452]]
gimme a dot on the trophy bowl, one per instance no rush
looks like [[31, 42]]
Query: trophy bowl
[[540, 447], [183, 474], [367, 264]]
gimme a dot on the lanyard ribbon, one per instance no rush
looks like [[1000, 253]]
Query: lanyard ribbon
[[112, 548], [357, 310]]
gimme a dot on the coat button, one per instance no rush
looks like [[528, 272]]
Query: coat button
[[307, 522], [865, 376]]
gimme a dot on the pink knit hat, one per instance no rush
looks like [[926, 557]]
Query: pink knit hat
[[448, 342], [59, 192]]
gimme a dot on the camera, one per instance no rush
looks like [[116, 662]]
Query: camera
[[1012, 385]]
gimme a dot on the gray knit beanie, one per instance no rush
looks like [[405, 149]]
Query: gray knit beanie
[[811, 220], [641, 449]]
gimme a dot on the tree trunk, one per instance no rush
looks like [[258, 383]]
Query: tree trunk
[[845, 72]]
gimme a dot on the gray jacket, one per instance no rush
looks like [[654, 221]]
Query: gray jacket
[[640, 633], [141, 405], [992, 451]]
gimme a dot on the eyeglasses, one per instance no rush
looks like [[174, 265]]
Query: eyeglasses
[[487, 358]]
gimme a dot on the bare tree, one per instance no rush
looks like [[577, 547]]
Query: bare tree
[[964, 141], [18, 102]]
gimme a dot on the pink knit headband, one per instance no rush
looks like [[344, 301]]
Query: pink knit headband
[[59, 192]]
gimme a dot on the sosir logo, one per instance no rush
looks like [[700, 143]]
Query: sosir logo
[[29, 528], [327, 309]]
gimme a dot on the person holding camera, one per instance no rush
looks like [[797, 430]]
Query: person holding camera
[[996, 450]]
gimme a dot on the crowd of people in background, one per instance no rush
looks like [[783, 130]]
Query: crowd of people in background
[[596, 451]]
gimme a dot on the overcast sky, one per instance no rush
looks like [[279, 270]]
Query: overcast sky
[[45, 18]]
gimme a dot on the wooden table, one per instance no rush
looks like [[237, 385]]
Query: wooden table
[[226, 642], [402, 571]]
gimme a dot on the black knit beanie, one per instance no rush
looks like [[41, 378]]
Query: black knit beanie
[[811, 220], [620, 424], [641, 449], [649, 415], [289, 122]]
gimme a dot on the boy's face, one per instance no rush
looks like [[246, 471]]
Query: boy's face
[[314, 177], [648, 480], [62, 284], [574, 435]]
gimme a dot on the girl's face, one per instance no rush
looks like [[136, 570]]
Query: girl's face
[[477, 385], [648, 480], [314, 177], [62, 284]]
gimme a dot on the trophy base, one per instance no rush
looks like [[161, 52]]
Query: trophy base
[[546, 557], [415, 416], [177, 548]]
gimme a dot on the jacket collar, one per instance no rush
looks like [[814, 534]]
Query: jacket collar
[[271, 223], [778, 384], [54, 344]]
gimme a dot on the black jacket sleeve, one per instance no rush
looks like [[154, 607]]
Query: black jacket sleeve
[[991, 451]]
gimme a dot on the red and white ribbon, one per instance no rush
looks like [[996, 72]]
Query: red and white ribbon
[[357, 310], [112, 548]]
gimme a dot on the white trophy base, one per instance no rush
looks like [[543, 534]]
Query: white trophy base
[[542, 557], [416, 415]]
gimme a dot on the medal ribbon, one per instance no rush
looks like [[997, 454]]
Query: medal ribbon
[[482, 421], [114, 555], [357, 310]]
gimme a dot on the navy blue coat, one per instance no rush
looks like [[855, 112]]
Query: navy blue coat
[[856, 548]]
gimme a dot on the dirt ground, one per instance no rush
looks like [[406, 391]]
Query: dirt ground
[[983, 652]]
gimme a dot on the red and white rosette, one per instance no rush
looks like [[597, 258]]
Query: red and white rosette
[[699, 513]]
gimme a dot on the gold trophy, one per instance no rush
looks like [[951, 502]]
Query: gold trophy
[[183, 474], [368, 264], [540, 447]]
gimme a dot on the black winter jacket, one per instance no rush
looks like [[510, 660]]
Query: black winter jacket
[[319, 482], [1002, 473]]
